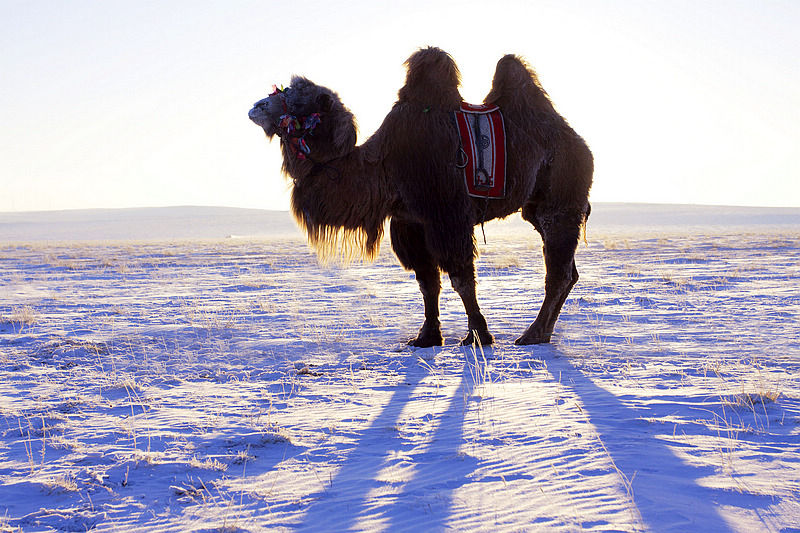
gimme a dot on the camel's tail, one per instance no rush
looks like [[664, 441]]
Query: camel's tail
[[516, 85]]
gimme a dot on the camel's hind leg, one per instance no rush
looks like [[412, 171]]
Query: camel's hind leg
[[408, 243], [560, 232]]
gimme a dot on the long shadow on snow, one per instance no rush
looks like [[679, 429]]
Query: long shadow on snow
[[665, 489], [420, 496]]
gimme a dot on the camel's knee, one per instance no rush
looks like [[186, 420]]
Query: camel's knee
[[561, 279], [559, 254], [558, 284], [463, 285], [463, 282], [429, 283]]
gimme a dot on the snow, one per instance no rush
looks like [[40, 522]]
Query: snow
[[158, 376]]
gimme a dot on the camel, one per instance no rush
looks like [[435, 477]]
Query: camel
[[410, 172]]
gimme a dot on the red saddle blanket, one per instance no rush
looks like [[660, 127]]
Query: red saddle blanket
[[483, 147]]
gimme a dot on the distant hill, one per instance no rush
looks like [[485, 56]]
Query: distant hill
[[158, 223], [622, 214], [186, 223]]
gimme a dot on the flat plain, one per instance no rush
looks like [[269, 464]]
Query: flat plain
[[190, 383]]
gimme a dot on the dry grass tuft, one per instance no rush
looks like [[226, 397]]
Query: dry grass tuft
[[60, 485], [21, 316]]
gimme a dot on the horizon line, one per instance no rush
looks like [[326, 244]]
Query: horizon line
[[201, 206]]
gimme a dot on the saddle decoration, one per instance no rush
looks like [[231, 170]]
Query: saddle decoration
[[483, 149], [294, 128]]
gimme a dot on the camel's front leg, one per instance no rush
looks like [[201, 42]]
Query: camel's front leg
[[463, 282], [430, 285], [408, 243]]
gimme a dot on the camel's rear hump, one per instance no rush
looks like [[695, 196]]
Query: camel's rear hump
[[566, 175]]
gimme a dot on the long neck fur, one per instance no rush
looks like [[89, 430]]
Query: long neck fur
[[341, 201]]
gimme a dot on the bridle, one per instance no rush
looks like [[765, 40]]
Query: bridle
[[293, 130]]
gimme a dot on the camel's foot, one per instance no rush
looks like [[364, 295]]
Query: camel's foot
[[532, 339], [428, 336], [483, 337], [533, 335]]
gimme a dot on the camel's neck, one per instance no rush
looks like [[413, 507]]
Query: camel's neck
[[341, 202]]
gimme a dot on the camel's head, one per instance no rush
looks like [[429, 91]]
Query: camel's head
[[307, 117]]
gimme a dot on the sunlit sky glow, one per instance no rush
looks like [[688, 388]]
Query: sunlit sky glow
[[129, 104]]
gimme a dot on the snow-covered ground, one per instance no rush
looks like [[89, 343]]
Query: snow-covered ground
[[211, 384]]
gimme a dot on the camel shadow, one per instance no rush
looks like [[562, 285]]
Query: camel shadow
[[668, 493], [398, 475]]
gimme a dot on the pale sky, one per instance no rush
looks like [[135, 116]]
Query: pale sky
[[134, 104]]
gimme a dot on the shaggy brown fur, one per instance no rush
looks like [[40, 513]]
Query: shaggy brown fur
[[407, 172]]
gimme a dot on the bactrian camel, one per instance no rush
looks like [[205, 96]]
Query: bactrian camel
[[411, 172]]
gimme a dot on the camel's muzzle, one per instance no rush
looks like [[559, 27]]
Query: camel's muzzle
[[260, 115]]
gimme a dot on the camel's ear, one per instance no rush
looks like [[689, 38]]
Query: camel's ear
[[324, 102]]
